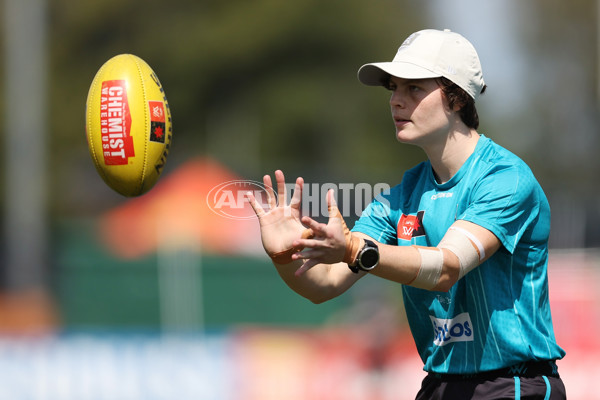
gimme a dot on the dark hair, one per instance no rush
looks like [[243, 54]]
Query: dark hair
[[456, 96]]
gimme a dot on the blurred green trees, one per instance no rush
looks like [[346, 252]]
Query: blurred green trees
[[259, 85], [269, 84]]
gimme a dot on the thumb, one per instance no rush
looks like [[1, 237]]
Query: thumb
[[334, 213], [353, 242], [332, 207]]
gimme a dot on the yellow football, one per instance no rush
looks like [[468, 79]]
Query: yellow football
[[128, 125]]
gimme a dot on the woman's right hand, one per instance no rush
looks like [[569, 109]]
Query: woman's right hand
[[280, 225]]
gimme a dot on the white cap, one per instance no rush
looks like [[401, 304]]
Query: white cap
[[431, 53]]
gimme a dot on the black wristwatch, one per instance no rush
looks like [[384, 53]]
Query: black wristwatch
[[367, 258]]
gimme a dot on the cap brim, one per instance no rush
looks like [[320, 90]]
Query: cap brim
[[376, 74]]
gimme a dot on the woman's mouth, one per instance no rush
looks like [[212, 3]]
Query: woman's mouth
[[400, 122]]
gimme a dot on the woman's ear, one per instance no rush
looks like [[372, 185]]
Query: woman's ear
[[458, 105]]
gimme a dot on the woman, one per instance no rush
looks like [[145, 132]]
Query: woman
[[465, 234]]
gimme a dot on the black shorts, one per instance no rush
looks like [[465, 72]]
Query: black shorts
[[528, 381]]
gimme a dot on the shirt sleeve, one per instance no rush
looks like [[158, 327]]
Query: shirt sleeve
[[376, 221], [505, 202]]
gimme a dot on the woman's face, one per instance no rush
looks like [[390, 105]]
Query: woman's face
[[420, 112]]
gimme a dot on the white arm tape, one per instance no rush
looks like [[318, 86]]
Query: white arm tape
[[432, 261], [473, 239], [469, 253]]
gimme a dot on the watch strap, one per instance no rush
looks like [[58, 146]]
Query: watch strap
[[355, 267]]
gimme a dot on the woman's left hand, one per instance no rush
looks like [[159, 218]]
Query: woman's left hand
[[332, 243]]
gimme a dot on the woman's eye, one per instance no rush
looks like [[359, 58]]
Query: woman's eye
[[413, 88]]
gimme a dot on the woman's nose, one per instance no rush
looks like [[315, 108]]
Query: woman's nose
[[397, 100]]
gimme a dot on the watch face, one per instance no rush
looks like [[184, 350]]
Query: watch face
[[369, 258]]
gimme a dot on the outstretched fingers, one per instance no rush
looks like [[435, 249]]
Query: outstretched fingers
[[258, 210], [281, 192], [281, 197], [271, 198]]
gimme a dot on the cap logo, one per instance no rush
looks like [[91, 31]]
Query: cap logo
[[410, 39]]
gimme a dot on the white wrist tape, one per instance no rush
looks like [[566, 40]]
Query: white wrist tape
[[465, 246], [432, 261]]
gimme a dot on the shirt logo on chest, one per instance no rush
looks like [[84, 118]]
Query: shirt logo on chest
[[457, 329], [410, 226]]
